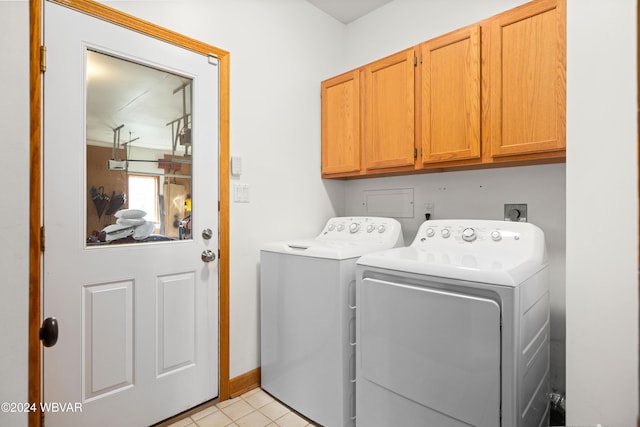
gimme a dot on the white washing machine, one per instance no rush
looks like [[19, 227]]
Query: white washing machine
[[454, 329], [307, 316]]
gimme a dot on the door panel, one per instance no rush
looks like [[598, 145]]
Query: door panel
[[341, 124], [108, 337], [138, 321], [389, 109], [176, 323], [526, 79], [451, 96]]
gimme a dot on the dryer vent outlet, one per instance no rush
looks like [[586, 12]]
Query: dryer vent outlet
[[515, 212]]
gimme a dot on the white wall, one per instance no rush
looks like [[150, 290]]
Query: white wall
[[14, 208], [602, 213], [277, 63]]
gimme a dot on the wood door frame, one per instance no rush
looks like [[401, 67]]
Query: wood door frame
[[36, 238]]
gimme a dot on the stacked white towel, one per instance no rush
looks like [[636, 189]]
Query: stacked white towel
[[129, 222]]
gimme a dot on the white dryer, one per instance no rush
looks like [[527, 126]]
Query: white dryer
[[307, 316], [454, 329]]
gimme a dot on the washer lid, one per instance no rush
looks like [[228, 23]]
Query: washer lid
[[494, 252], [345, 238], [330, 249]]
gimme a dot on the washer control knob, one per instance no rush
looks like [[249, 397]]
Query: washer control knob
[[469, 235], [496, 236], [382, 228], [340, 227], [430, 232], [332, 227], [354, 227], [446, 233], [370, 228]]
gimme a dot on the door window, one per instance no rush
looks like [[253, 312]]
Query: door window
[[138, 152]]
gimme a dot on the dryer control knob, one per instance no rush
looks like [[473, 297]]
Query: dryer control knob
[[332, 227], [340, 227], [354, 227], [370, 228], [430, 232], [469, 235], [382, 228], [446, 233], [496, 236]]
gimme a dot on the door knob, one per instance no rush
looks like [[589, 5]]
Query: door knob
[[208, 255], [207, 234], [49, 332]]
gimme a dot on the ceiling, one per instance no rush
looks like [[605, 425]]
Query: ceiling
[[347, 11]]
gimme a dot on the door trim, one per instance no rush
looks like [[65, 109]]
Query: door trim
[[35, 180]]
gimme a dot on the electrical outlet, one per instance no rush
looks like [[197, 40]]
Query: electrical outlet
[[515, 212], [428, 210], [241, 193]]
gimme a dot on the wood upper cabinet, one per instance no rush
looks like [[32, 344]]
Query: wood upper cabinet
[[450, 98], [526, 79], [389, 133], [487, 94], [341, 124]]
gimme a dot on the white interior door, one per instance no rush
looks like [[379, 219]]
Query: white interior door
[[138, 321]]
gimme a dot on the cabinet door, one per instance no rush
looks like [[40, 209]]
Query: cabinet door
[[389, 111], [341, 124], [527, 94], [451, 96]]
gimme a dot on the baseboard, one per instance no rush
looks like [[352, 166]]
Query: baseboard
[[245, 382]]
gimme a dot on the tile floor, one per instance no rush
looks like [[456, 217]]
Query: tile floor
[[255, 408]]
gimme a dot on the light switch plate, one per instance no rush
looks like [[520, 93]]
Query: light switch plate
[[236, 166], [515, 212]]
